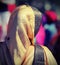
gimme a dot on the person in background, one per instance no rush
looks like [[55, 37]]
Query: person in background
[[6, 8], [50, 28], [4, 18], [11, 4]]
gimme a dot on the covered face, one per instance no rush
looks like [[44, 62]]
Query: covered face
[[22, 19], [20, 35]]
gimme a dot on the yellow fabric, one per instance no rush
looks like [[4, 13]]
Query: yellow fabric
[[50, 58], [21, 33], [29, 56]]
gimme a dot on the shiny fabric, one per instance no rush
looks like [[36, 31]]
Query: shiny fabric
[[20, 39], [38, 55]]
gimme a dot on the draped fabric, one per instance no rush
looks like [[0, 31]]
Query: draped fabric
[[21, 33], [20, 38]]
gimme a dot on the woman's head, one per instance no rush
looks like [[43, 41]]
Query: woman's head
[[26, 16], [22, 21], [21, 32]]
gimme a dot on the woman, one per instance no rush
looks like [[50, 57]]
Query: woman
[[20, 39]]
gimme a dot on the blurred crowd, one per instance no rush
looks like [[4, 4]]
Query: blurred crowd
[[48, 24]]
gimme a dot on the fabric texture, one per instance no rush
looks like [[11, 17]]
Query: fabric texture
[[20, 38], [21, 33], [50, 58], [38, 55]]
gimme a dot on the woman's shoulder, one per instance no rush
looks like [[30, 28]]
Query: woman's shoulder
[[50, 58]]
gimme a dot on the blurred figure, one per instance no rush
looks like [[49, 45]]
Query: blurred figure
[[39, 30], [4, 18], [6, 8], [19, 47], [50, 28]]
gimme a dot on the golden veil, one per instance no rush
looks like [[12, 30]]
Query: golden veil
[[20, 37]]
